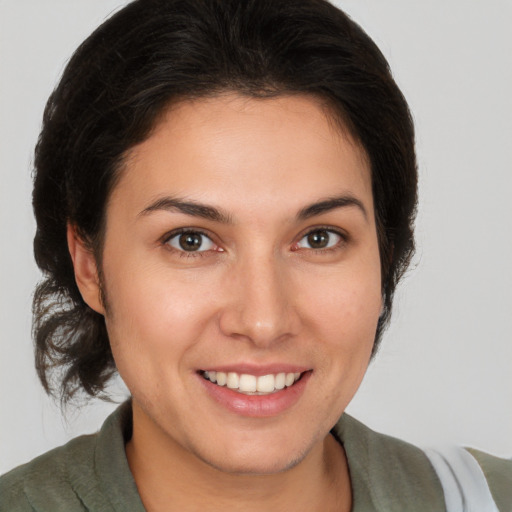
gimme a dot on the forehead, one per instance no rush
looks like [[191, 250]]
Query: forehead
[[241, 151]]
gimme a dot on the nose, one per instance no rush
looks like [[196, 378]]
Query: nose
[[259, 304]]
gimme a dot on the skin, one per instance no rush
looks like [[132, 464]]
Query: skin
[[258, 294]]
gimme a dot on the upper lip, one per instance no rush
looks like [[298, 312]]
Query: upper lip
[[257, 369]]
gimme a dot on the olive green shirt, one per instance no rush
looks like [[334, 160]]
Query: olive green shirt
[[91, 473]]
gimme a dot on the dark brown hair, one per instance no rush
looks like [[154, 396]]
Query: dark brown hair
[[154, 52]]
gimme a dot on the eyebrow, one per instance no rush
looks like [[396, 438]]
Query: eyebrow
[[329, 204], [204, 211], [172, 204]]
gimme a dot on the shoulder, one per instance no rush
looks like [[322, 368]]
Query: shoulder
[[388, 472], [48, 480], [395, 472], [90, 473], [498, 473]]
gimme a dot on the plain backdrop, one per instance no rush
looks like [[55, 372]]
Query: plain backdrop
[[443, 374]]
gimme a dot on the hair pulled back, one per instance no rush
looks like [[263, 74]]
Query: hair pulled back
[[155, 52]]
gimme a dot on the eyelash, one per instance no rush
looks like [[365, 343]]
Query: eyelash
[[182, 253], [195, 254], [324, 250]]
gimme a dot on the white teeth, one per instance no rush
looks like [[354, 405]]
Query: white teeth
[[250, 384], [266, 383], [280, 380], [233, 380], [247, 383]]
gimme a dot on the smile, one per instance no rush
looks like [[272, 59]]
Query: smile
[[251, 384]]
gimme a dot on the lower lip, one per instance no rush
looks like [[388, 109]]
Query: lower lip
[[257, 406]]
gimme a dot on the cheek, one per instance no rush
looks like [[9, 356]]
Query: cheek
[[351, 335], [343, 315], [154, 317], [347, 306], [352, 344]]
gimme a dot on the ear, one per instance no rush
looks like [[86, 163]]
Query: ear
[[86, 271]]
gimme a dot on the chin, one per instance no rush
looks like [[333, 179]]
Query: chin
[[255, 468], [247, 461]]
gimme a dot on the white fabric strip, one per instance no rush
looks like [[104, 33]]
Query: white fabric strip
[[464, 484]]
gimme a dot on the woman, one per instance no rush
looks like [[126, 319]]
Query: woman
[[225, 194]]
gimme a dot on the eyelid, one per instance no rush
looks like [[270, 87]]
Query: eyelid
[[180, 231], [344, 237]]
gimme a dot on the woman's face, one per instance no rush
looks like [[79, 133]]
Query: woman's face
[[240, 245]]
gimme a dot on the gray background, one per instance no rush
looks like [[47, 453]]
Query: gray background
[[443, 373]]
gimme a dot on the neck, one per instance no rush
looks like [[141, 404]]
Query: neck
[[170, 478]]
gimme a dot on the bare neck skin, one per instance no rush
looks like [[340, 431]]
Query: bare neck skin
[[169, 478]]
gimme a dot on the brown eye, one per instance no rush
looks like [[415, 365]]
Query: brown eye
[[319, 239], [191, 241]]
